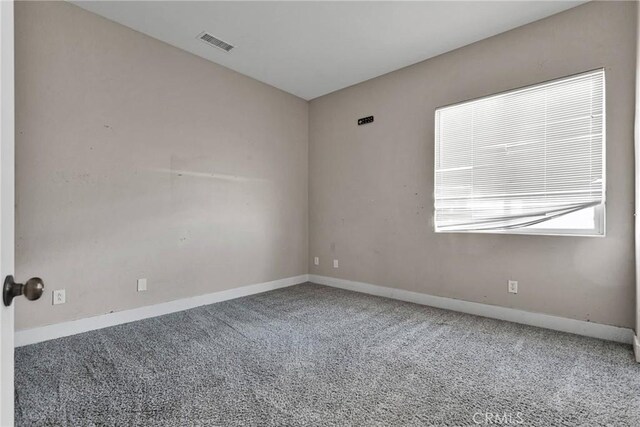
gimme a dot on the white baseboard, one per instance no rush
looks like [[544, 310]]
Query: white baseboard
[[579, 327], [590, 329], [58, 330], [636, 347]]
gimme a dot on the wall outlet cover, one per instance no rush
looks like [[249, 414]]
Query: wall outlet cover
[[59, 296], [513, 286], [316, 261], [335, 263], [142, 285]]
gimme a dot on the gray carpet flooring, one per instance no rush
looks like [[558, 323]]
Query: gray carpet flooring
[[319, 356]]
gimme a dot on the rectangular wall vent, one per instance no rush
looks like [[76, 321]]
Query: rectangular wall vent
[[365, 120], [214, 41]]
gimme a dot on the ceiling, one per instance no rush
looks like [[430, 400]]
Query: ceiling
[[312, 48]]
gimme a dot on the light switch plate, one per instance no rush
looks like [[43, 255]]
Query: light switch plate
[[335, 263], [513, 286], [142, 285], [316, 261]]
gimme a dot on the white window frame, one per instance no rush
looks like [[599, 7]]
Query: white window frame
[[599, 229]]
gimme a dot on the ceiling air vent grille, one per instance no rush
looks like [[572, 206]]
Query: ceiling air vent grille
[[214, 41]]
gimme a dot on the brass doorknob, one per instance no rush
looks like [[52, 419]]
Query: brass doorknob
[[32, 290]]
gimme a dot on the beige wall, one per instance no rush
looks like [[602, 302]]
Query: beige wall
[[371, 187], [136, 159]]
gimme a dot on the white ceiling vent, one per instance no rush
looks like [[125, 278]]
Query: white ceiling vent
[[214, 41]]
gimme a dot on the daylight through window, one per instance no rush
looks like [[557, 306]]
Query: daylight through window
[[530, 160]]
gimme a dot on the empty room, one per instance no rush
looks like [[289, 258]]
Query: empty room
[[319, 213]]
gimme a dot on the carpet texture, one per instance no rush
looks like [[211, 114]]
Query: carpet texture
[[319, 356]]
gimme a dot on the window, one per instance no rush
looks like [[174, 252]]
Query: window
[[527, 161]]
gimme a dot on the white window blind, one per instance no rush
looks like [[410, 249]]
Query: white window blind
[[521, 158]]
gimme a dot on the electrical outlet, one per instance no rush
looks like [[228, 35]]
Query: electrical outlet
[[142, 285], [335, 263], [513, 286], [59, 297], [316, 261]]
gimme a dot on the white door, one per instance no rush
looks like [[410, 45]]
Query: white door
[[6, 207]]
